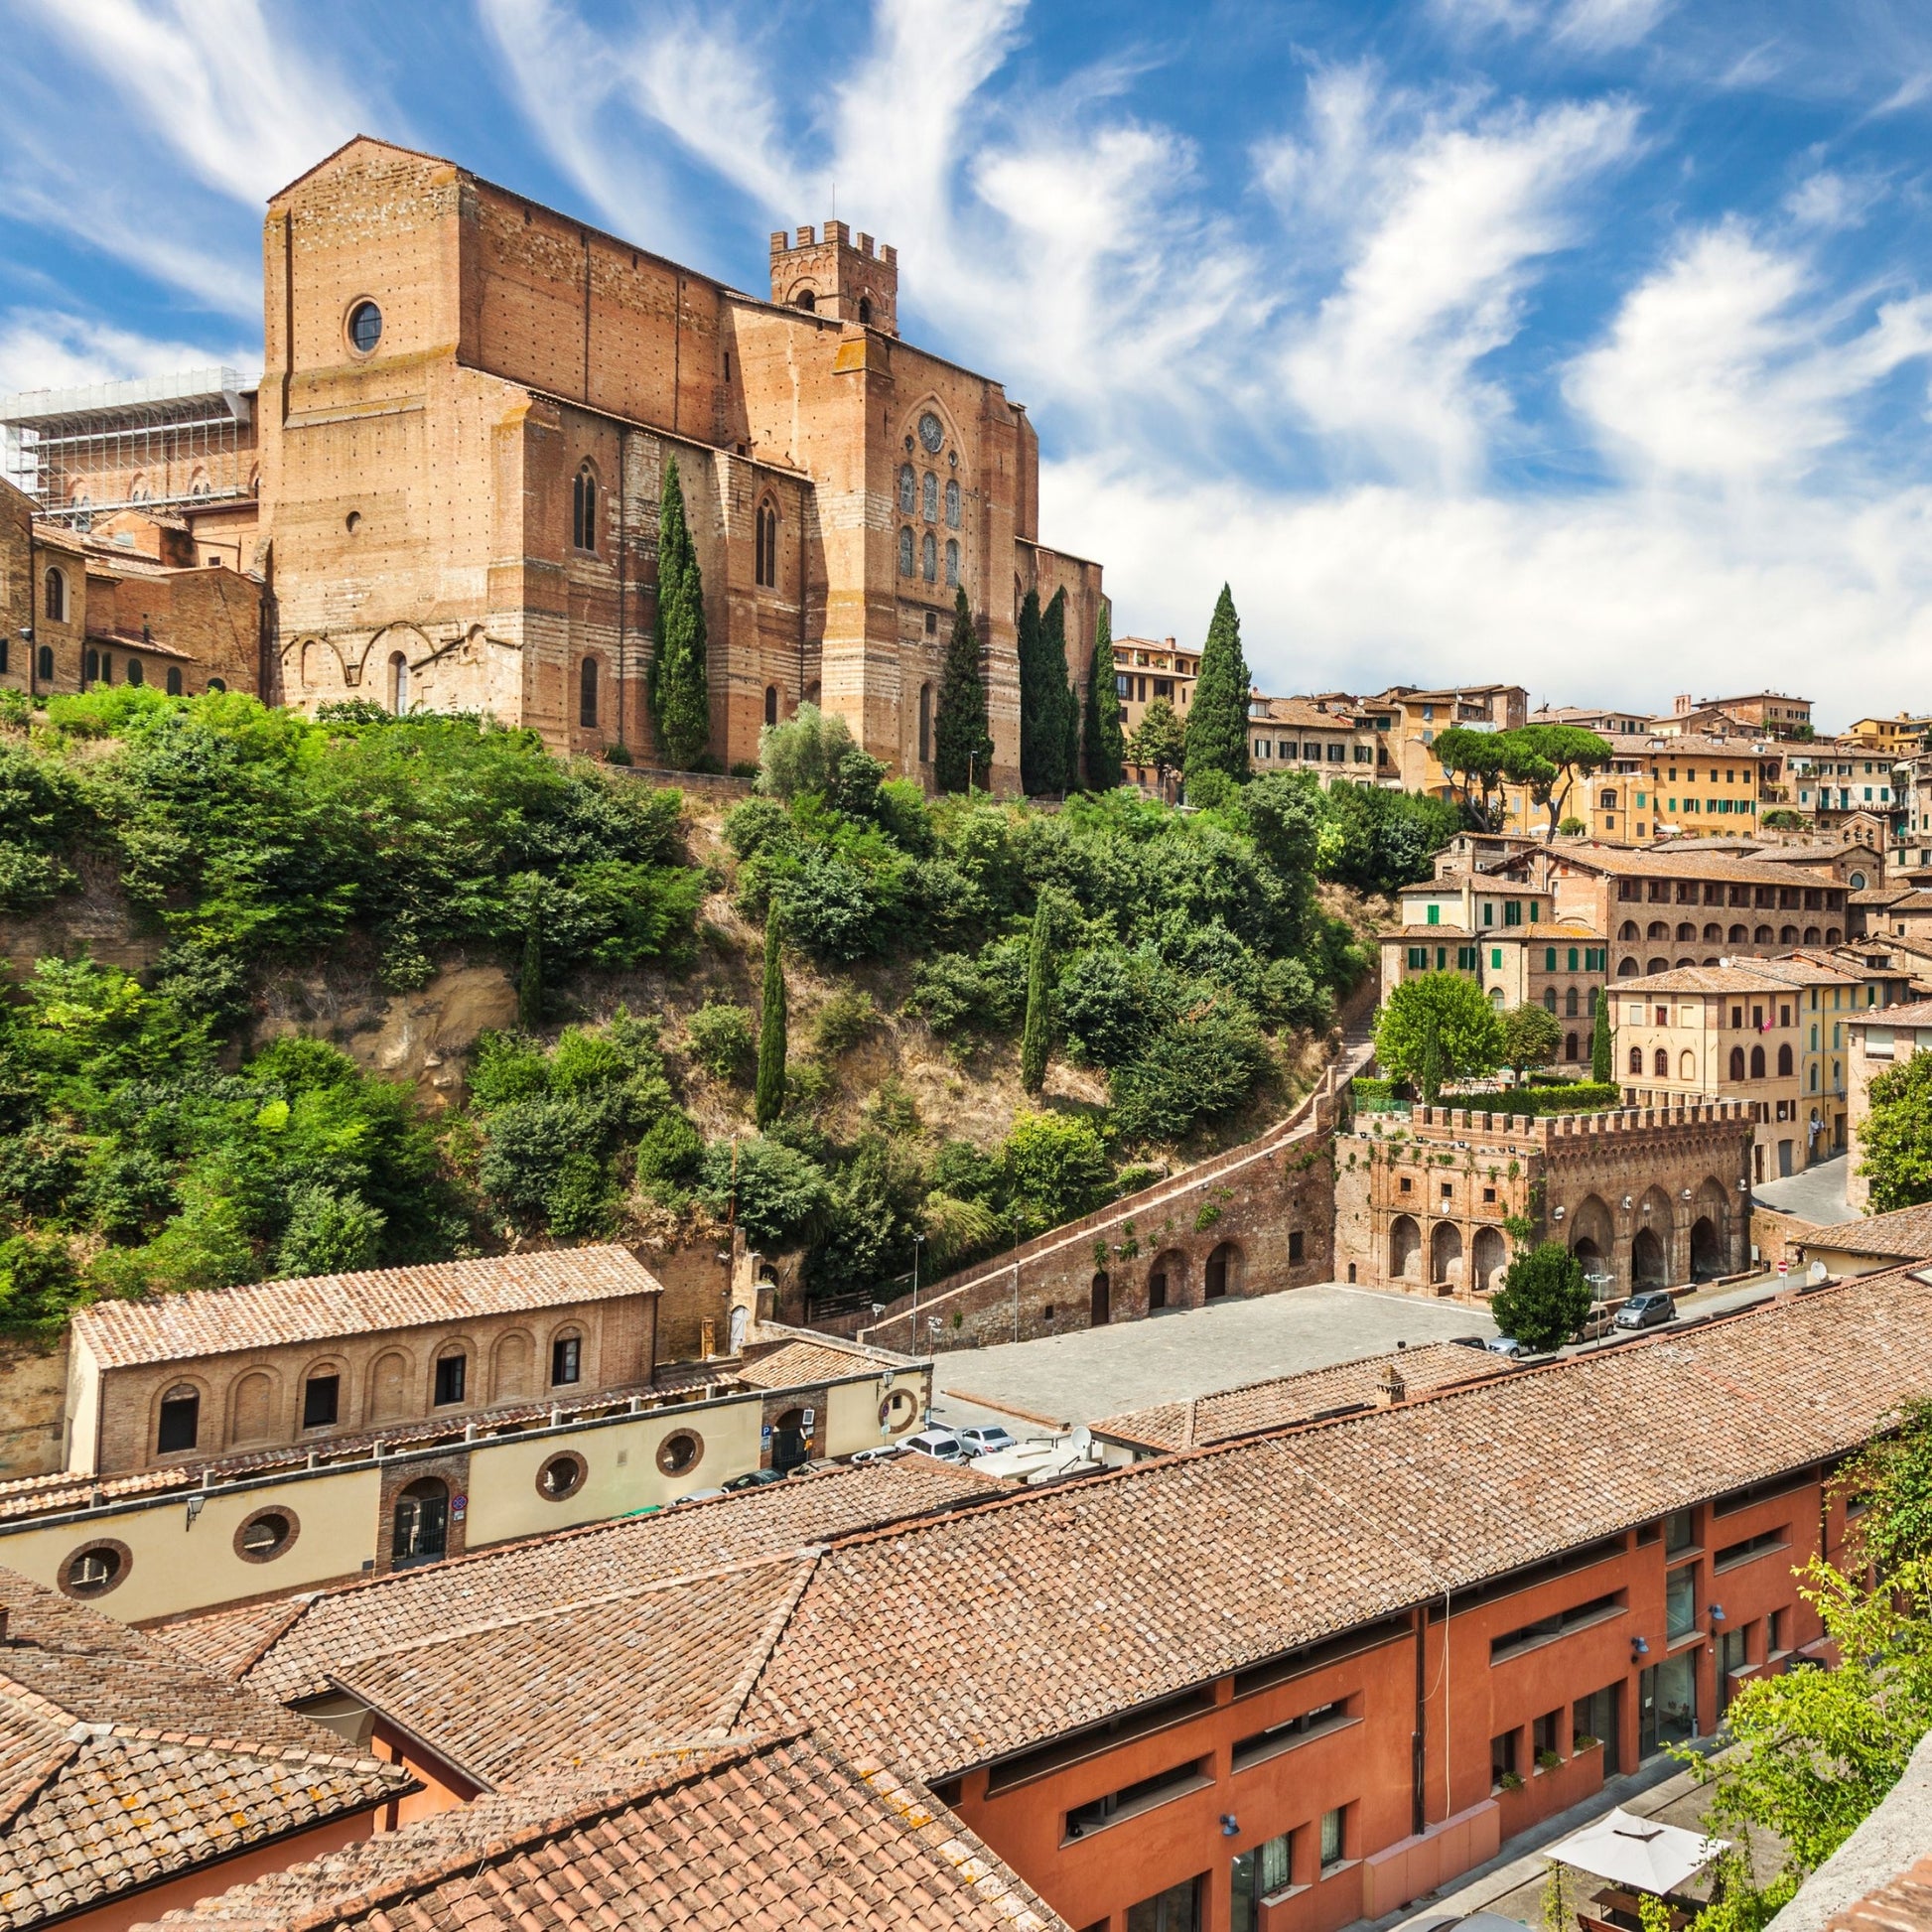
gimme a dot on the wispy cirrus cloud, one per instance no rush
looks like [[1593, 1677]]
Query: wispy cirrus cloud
[[226, 85], [1445, 218]]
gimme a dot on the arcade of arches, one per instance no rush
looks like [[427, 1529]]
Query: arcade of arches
[[1649, 1198]]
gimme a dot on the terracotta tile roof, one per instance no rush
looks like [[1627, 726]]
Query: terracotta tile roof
[[1703, 979], [340, 1630], [1285, 1399], [1905, 1232], [1672, 861], [780, 1833], [1301, 712], [1425, 932], [212, 1321], [793, 1363], [1909, 1013], [977, 1635], [123, 1763], [612, 1673]]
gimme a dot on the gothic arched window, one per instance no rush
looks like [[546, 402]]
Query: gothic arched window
[[908, 490], [905, 553], [929, 558], [931, 498], [587, 692], [398, 683], [57, 597], [952, 562], [583, 509], [767, 544], [952, 503]]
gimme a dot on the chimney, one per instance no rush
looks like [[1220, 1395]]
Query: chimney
[[1391, 1387]]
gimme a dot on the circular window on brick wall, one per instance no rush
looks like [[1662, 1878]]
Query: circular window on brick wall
[[267, 1534], [97, 1568], [562, 1477], [680, 1451], [365, 328], [900, 1410]]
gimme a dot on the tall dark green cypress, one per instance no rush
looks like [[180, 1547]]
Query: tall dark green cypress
[[1033, 1038], [680, 689], [1217, 721], [962, 746], [1052, 661], [1601, 1067], [1106, 747], [769, 1100], [1040, 710], [530, 978]]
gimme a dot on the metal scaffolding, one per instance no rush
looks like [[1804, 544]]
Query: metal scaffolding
[[176, 439]]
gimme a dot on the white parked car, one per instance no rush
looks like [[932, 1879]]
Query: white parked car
[[942, 1445], [987, 1439], [883, 1454]]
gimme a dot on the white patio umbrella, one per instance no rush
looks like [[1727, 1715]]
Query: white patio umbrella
[[1641, 1853]]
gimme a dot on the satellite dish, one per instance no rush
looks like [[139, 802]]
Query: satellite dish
[[1816, 1273], [1082, 1440]]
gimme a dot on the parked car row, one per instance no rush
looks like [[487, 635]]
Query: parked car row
[[1648, 1307]]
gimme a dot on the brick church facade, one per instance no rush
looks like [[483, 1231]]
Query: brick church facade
[[467, 406]]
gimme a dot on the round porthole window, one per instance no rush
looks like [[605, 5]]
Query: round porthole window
[[365, 328], [97, 1568], [900, 1410], [680, 1451], [266, 1535], [562, 1477]]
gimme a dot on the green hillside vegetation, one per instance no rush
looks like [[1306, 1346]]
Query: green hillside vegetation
[[154, 1137]]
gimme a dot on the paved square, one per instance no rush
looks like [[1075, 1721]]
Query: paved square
[[1184, 1352]]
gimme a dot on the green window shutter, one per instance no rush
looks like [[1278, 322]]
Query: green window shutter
[[1435, 915], [1550, 959], [1442, 958], [1572, 959], [1419, 959], [1496, 957]]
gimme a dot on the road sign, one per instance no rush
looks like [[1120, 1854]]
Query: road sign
[[1784, 1268]]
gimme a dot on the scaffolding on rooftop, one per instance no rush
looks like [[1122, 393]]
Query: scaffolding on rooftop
[[88, 452]]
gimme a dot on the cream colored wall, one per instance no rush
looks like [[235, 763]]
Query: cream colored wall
[[83, 1408], [624, 1473], [178, 1567]]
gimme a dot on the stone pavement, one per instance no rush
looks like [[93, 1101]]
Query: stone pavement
[[1817, 1195], [1184, 1352]]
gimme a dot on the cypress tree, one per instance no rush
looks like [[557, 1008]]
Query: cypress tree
[[1217, 724], [770, 1099], [530, 978], [1039, 717], [1066, 705], [1106, 749], [962, 746], [680, 690], [1601, 1067], [1033, 1040]]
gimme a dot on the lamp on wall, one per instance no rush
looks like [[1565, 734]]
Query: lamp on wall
[[1230, 1826], [1717, 1612], [1640, 1647]]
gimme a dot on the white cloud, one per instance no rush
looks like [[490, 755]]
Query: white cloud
[[1725, 366], [227, 88], [1830, 200], [1623, 597], [49, 348], [1598, 25], [1448, 226]]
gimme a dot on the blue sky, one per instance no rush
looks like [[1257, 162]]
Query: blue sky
[[1583, 343]]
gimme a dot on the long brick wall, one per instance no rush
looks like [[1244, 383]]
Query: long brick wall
[[1253, 1221]]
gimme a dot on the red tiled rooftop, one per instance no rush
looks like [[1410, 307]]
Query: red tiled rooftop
[[778, 1834], [316, 1308]]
